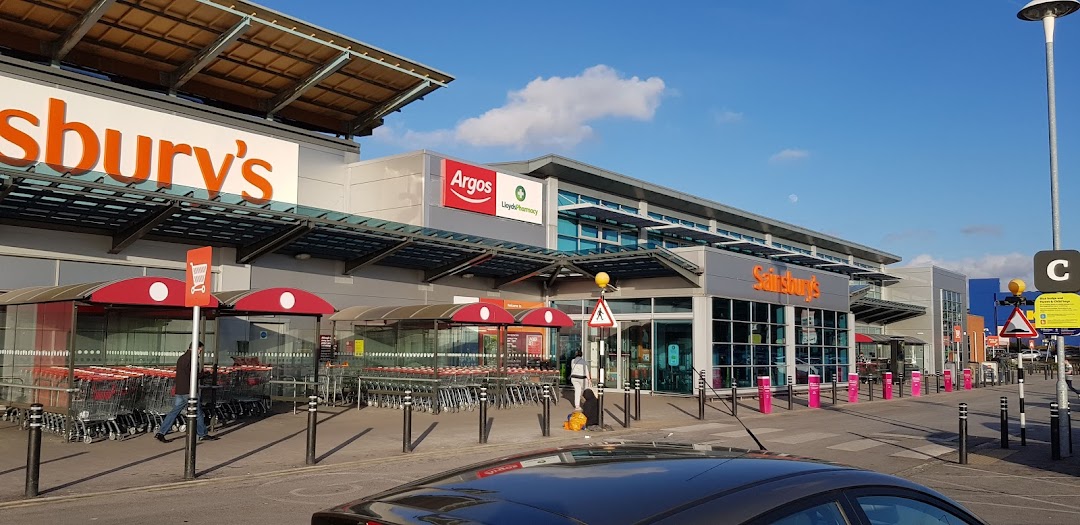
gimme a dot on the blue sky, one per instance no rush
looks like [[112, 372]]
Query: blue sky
[[919, 128]]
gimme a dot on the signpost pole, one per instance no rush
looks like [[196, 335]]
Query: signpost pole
[[196, 295]]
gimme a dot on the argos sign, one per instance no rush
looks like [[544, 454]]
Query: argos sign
[[480, 190], [131, 144]]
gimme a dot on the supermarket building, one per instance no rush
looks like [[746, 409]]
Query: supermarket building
[[131, 133]]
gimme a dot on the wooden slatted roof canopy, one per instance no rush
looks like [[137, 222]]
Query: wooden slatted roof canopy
[[232, 54]]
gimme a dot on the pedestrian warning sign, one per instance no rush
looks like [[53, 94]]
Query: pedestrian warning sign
[[601, 315], [1018, 326]]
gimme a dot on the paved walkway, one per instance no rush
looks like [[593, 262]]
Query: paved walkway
[[911, 437]]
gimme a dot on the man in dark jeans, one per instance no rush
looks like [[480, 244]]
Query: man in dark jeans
[[183, 391]]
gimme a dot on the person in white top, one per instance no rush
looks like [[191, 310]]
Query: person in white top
[[579, 376]]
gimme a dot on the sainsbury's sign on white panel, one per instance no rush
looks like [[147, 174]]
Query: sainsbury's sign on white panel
[[81, 133]]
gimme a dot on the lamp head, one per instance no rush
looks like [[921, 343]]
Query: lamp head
[[1040, 9], [1017, 287]]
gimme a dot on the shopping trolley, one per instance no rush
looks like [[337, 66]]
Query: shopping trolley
[[198, 278]]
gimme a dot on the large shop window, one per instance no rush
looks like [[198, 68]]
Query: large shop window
[[749, 341], [821, 344]]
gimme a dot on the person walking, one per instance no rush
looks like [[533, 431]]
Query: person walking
[[183, 392], [579, 376]]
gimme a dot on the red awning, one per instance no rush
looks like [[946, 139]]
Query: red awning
[[135, 291], [863, 338], [291, 301], [546, 317]]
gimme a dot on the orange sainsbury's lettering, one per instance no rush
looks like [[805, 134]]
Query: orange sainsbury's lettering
[[18, 138], [57, 127], [771, 281], [106, 148]]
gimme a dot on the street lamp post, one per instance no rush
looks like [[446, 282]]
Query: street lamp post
[[1049, 11]]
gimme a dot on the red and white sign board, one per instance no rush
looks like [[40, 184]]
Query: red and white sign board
[[480, 190], [957, 332], [601, 315], [1018, 326], [1031, 344], [992, 340], [197, 287]]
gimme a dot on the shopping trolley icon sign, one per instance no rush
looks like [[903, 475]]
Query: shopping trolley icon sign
[[198, 278], [198, 270]]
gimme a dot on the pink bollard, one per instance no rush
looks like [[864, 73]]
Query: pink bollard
[[853, 387], [814, 399], [967, 379], [764, 387], [887, 391], [948, 380], [916, 384]]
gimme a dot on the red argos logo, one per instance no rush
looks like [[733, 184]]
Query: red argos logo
[[468, 187]]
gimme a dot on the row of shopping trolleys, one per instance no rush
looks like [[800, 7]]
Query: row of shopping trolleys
[[118, 402], [453, 389]]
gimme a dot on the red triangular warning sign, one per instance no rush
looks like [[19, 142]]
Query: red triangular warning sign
[[601, 315], [1018, 326]]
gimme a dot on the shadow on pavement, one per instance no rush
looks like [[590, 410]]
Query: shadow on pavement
[[430, 428], [344, 444], [22, 468]]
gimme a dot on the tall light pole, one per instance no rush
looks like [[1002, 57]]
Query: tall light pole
[[1049, 11]]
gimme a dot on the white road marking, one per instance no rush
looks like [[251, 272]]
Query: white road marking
[[741, 433], [923, 452], [803, 437], [860, 444]]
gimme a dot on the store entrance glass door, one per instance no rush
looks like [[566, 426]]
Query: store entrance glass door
[[674, 357], [635, 353]]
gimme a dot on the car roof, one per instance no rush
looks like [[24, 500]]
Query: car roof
[[588, 484]]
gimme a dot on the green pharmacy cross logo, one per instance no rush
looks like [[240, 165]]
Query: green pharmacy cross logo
[[519, 193]]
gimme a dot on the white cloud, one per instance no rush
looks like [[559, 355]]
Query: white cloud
[[793, 198], [549, 112], [727, 116], [789, 155], [1003, 266]]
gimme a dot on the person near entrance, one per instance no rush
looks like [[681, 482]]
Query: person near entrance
[[183, 392], [579, 377]]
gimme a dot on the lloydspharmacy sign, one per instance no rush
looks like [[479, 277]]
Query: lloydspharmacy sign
[[480, 190]]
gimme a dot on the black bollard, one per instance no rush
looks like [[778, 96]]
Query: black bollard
[[189, 456], [637, 400], [901, 383], [963, 433], [626, 405], [790, 395], [1046, 372], [1004, 424], [33, 451], [406, 427], [1055, 428], [701, 397], [547, 412], [834, 391], [312, 420], [1023, 416], [734, 400], [870, 385], [937, 382], [483, 414], [600, 404]]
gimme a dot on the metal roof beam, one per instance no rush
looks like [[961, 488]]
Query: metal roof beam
[[375, 114], [7, 187], [513, 279], [456, 266], [246, 254], [288, 96], [63, 45], [366, 260], [690, 276], [138, 229], [196, 63]]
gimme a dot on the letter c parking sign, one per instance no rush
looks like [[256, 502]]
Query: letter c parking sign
[[1057, 271]]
